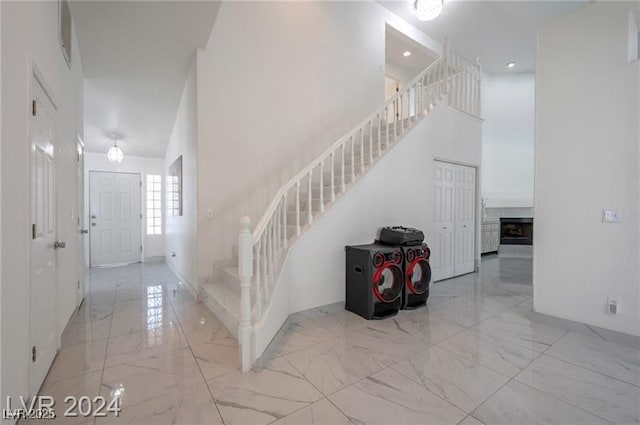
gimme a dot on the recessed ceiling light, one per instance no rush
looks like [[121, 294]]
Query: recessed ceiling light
[[511, 64], [407, 53]]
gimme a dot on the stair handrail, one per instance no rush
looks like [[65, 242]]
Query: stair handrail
[[266, 216]]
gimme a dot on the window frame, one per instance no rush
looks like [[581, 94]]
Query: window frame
[[153, 205]]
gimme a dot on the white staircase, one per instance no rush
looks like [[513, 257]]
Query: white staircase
[[243, 292]]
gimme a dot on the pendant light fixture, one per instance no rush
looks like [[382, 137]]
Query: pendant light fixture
[[114, 154], [428, 10]]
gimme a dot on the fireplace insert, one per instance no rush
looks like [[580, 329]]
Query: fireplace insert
[[516, 231]]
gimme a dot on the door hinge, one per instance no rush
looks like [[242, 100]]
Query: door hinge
[[33, 354], [140, 216], [33, 231], [140, 248], [33, 108], [78, 284]]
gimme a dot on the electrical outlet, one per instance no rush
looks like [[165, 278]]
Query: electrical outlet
[[613, 306], [611, 216]]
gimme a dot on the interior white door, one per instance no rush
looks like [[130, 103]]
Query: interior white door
[[115, 218], [465, 219], [81, 231], [42, 291], [442, 253]]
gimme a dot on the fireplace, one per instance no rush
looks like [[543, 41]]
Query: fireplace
[[516, 231]]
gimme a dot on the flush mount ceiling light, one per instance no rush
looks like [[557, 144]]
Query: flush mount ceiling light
[[427, 10], [114, 154], [511, 64], [406, 54]]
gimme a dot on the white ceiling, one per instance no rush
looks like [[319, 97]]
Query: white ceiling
[[136, 56], [395, 45], [497, 32]]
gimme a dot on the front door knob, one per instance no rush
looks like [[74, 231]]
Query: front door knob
[[58, 245], [84, 231]]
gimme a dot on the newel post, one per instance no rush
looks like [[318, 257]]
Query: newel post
[[445, 54], [479, 89], [245, 268]]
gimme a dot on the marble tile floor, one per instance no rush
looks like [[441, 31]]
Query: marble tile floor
[[476, 355]]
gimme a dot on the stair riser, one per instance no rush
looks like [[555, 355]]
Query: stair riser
[[222, 313], [230, 281]]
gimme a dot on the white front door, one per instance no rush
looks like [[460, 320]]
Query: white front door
[[42, 291], [442, 253], [465, 218], [115, 218], [81, 231]]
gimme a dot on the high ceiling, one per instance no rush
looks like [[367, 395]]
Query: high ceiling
[[135, 57], [497, 32]]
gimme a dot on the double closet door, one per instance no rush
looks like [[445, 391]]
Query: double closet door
[[453, 237]]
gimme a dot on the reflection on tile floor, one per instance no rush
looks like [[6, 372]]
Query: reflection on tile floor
[[476, 355]]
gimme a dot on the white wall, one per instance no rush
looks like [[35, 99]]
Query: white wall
[[152, 245], [1, 383], [181, 232], [508, 102], [30, 37], [278, 83], [587, 159]]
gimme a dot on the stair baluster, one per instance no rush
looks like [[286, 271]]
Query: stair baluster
[[321, 186], [353, 158], [379, 135], [297, 208], [257, 312], [333, 177], [245, 269], [362, 151], [310, 204], [284, 219], [395, 121], [344, 187], [370, 143]]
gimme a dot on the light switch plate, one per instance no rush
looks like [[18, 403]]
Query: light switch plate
[[611, 216]]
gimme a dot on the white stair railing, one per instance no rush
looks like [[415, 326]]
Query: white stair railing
[[306, 196], [465, 83]]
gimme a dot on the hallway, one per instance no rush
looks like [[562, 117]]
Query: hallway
[[139, 335], [476, 353]]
